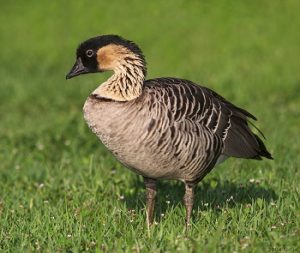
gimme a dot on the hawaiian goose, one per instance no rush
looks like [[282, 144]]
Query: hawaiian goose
[[164, 128]]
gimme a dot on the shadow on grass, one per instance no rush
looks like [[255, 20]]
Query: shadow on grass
[[215, 195]]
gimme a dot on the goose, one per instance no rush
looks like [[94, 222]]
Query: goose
[[163, 128]]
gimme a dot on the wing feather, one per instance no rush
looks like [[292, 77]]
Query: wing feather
[[224, 119]]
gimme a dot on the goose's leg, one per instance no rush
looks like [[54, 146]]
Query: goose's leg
[[150, 199], [188, 201]]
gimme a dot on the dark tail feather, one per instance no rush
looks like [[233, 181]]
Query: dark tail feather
[[263, 150], [258, 130], [243, 143]]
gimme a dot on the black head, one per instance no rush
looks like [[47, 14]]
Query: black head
[[87, 55]]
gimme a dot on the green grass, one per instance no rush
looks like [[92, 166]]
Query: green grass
[[62, 191]]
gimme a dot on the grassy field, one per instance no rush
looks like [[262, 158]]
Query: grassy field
[[62, 191]]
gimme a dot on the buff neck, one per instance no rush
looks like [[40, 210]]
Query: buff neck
[[126, 83]]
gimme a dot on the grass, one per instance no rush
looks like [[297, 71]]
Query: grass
[[62, 191]]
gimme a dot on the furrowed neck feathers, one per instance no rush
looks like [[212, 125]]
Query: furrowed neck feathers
[[129, 74]]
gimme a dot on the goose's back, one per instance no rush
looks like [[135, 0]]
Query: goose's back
[[204, 106]]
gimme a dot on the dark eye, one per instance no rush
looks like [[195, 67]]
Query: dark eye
[[89, 53]]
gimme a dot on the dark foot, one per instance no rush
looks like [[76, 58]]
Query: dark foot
[[150, 199], [188, 201]]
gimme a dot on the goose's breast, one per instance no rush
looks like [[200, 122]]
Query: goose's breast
[[106, 120], [125, 131]]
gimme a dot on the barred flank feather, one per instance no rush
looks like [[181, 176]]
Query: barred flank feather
[[220, 116]]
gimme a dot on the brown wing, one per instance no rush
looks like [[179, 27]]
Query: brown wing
[[206, 107]]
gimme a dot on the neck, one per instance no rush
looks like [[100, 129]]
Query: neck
[[126, 83]]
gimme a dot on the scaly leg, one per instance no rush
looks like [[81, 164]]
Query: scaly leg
[[150, 199], [188, 201]]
